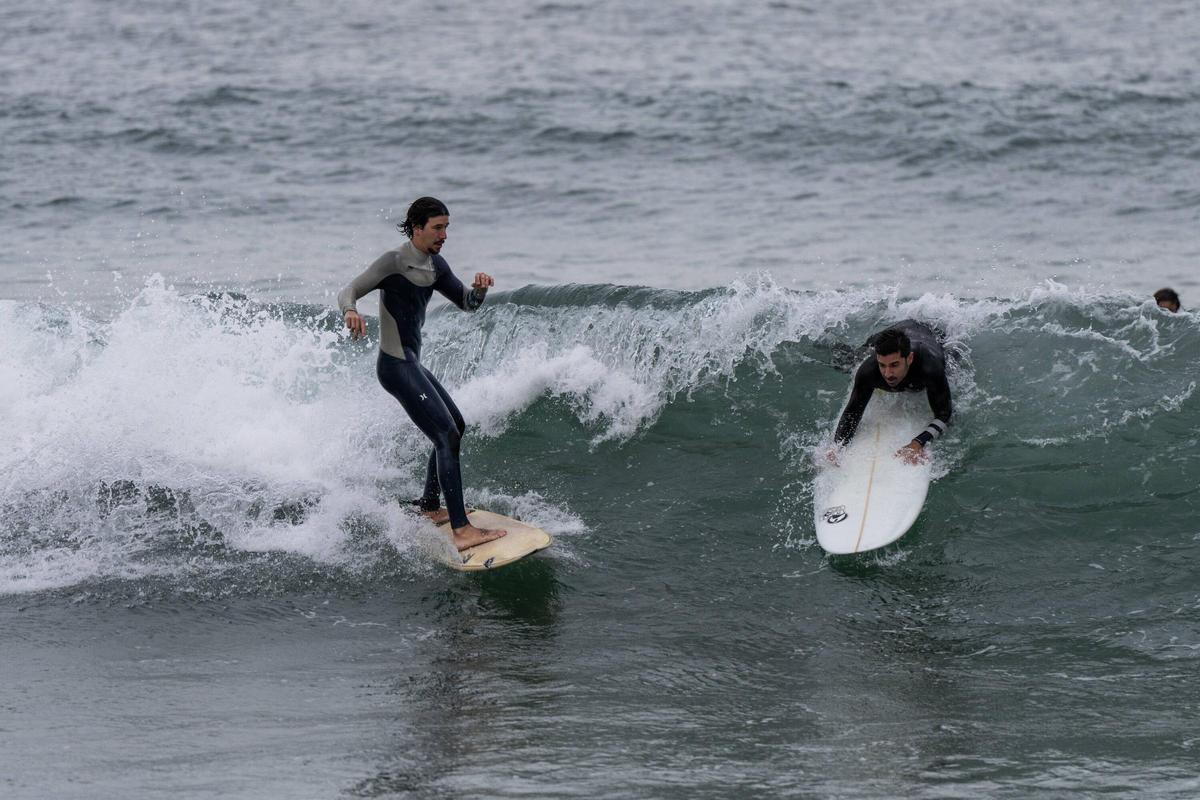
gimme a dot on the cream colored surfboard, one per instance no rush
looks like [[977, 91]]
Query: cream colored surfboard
[[522, 539]]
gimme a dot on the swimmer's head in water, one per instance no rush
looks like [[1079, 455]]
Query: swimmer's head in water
[[893, 355], [426, 224], [1168, 299]]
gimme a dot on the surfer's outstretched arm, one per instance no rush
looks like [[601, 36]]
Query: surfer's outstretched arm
[[938, 390], [450, 287], [860, 395]]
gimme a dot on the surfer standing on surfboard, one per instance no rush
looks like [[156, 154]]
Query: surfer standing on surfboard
[[908, 358], [406, 278]]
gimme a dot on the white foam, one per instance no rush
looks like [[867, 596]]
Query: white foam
[[239, 411], [597, 392], [195, 417], [619, 366], [231, 405]]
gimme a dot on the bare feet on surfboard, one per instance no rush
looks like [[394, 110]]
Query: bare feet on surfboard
[[441, 516], [468, 536]]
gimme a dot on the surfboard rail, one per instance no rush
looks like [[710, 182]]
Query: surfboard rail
[[522, 540]]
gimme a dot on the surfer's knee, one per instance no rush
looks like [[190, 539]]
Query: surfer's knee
[[450, 438]]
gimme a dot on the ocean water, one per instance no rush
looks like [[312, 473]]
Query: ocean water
[[695, 212]]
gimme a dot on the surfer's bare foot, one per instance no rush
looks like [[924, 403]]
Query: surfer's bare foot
[[438, 517], [441, 516], [469, 536]]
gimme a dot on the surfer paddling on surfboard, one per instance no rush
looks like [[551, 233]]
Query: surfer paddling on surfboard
[[907, 358], [406, 278]]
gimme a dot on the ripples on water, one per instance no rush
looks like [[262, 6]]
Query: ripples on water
[[959, 148]]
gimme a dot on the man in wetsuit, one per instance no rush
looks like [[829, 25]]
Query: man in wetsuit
[[406, 278], [907, 358]]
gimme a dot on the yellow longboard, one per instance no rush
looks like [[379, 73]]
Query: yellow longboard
[[522, 539]]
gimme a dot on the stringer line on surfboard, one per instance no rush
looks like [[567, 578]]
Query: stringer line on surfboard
[[870, 483]]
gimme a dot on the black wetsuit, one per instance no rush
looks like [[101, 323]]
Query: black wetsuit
[[927, 372], [406, 279]]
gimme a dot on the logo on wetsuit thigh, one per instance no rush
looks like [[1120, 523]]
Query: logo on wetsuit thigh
[[835, 514]]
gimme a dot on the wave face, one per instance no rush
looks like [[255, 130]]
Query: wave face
[[215, 444]]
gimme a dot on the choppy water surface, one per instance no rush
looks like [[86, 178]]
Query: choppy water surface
[[696, 212], [973, 148]]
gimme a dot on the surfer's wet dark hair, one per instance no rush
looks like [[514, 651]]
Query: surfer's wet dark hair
[[1169, 296], [893, 340], [420, 212]]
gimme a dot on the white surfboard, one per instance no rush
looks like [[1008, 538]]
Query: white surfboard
[[522, 539], [871, 498]]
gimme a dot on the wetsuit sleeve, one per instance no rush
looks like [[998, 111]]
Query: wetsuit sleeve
[[368, 281], [860, 395], [938, 391], [450, 287]]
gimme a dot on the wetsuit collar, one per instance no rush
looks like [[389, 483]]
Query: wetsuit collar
[[412, 257]]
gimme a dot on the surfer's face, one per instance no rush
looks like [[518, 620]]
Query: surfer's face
[[430, 237], [893, 366]]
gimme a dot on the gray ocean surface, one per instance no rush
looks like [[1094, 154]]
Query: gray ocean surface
[[695, 213]]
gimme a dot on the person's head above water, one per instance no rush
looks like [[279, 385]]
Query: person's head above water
[[426, 224], [893, 355], [1168, 299]]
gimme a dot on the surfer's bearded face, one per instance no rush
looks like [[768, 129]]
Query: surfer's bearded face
[[893, 366], [430, 237]]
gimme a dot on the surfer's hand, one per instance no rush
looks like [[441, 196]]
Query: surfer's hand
[[912, 453], [482, 281], [833, 456], [354, 322]]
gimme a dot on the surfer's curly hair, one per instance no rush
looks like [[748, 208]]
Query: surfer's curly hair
[[893, 340], [420, 212]]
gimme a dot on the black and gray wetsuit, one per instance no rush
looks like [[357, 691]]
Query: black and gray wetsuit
[[927, 372], [406, 279]]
